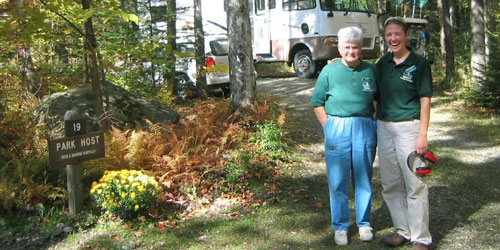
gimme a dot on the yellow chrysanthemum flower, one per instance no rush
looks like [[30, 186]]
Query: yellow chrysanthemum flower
[[136, 207], [132, 195], [123, 195]]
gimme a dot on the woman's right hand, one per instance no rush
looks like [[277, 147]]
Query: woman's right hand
[[333, 59]]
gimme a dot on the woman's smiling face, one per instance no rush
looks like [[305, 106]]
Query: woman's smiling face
[[350, 52], [395, 37]]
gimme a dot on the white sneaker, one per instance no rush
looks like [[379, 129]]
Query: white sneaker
[[365, 234], [341, 237]]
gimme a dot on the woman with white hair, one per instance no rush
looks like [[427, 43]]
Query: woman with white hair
[[343, 103]]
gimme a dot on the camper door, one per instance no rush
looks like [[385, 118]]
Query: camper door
[[261, 27]]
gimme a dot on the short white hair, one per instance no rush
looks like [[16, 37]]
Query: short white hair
[[350, 34]]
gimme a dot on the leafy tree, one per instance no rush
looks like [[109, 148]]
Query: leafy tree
[[95, 70]]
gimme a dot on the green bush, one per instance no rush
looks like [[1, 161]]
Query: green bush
[[270, 140], [125, 193], [237, 168]]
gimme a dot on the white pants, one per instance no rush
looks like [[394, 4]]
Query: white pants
[[405, 194]]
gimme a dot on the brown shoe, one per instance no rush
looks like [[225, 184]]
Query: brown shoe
[[395, 241], [420, 246]]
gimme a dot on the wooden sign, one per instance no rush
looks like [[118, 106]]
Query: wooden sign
[[75, 127], [76, 149]]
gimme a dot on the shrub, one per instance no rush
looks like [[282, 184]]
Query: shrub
[[270, 140], [125, 193]]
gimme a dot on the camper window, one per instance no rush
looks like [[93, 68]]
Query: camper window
[[351, 5], [298, 4], [260, 5], [337, 4], [271, 4]]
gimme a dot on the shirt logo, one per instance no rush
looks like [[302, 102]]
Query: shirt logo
[[407, 75], [367, 84]]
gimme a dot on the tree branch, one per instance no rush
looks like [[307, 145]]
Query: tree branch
[[70, 23]]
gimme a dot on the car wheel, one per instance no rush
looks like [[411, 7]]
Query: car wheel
[[303, 64]]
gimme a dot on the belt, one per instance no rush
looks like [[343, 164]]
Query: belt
[[409, 120]]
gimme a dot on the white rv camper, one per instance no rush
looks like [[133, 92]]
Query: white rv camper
[[303, 32]]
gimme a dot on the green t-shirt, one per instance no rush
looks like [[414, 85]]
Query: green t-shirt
[[401, 87], [345, 91]]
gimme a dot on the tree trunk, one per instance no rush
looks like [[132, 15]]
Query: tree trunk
[[201, 79], [477, 41], [381, 9], [151, 35], [240, 58], [27, 69], [490, 27], [91, 48], [29, 72], [171, 34], [446, 39], [454, 13]]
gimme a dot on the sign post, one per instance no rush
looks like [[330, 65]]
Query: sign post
[[77, 146], [74, 172]]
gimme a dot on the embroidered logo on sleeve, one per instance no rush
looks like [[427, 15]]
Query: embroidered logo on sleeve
[[408, 74], [367, 84]]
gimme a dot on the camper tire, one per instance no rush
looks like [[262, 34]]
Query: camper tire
[[303, 64]]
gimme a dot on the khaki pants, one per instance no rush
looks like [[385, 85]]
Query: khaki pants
[[405, 194]]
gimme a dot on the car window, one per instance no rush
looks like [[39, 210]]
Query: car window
[[219, 47]]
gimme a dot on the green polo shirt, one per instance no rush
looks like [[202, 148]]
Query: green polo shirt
[[345, 91], [401, 87]]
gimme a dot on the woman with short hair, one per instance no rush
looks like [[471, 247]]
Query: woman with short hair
[[343, 103]]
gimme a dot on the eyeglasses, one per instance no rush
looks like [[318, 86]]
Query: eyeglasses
[[353, 48]]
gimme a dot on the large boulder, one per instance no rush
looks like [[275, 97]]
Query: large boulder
[[123, 108]]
